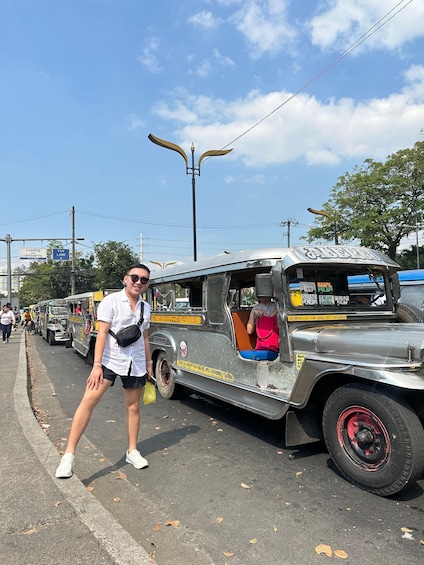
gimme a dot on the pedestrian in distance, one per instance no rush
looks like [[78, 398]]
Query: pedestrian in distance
[[7, 321], [26, 320], [132, 363], [17, 315]]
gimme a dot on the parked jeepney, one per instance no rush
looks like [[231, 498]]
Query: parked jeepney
[[348, 371], [50, 318], [82, 312]]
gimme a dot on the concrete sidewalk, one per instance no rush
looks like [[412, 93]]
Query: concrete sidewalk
[[45, 520]]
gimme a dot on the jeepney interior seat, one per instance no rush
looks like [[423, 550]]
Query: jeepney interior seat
[[244, 341]]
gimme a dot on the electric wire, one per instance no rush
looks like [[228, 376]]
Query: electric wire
[[373, 29]]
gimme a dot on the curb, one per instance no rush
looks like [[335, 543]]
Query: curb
[[116, 541]]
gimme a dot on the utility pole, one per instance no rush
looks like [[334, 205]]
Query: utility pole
[[8, 239], [289, 222], [73, 252]]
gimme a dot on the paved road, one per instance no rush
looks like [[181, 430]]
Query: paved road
[[239, 495]]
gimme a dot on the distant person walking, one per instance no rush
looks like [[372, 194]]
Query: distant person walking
[[132, 363], [17, 315], [7, 320]]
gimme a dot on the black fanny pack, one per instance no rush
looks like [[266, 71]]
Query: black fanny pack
[[130, 334]]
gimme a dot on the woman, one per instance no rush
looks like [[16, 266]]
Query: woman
[[7, 321], [263, 321]]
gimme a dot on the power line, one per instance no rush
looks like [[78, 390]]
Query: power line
[[373, 29]]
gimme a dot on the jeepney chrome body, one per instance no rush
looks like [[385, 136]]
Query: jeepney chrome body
[[324, 337], [52, 322]]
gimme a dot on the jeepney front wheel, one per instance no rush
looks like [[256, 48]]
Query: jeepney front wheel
[[376, 441], [165, 380]]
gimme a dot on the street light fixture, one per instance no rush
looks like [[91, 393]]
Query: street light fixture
[[164, 264], [326, 215], [190, 170]]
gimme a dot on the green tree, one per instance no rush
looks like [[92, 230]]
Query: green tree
[[51, 279], [36, 285], [407, 258], [377, 204], [112, 261]]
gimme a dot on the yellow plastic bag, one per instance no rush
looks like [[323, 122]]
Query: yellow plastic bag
[[149, 395]]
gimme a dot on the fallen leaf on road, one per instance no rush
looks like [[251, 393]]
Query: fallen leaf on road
[[220, 519], [122, 476], [243, 485], [254, 540], [157, 527], [172, 523], [57, 503], [117, 499], [228, 553], [340, 553], [323, 548]]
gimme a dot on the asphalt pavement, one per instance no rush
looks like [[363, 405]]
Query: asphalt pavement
[[45, 520]]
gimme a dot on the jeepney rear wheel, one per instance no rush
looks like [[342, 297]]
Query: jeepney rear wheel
[[164, 376], [375, 440], [50, 338]]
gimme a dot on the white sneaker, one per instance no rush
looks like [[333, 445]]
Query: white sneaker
[[66, 466], [136, 459]]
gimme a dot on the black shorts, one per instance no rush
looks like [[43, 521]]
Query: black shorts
[[127, 382]]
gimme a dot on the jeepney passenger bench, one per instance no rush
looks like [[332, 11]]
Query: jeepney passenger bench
[[243, 339]]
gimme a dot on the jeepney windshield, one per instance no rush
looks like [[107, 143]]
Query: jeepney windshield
[[355, 287], [59, 311]]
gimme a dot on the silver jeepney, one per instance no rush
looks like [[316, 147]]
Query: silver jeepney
[[350, 366]]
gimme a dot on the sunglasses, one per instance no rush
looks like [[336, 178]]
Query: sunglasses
[[136, 278]]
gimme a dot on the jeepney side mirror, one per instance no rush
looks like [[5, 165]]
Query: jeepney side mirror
[[263, 285]]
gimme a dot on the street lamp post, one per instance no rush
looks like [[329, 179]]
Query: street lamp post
[[190, 170], [326, 215]]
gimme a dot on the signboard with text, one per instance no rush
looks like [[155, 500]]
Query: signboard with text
[[60, 255], [33, 253]]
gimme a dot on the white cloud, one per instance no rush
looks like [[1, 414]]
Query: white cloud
[[222, 59], [342, 22], [319, 133], [204, 20], [148, 55], [264, 25], [203, 69], [134, 122]]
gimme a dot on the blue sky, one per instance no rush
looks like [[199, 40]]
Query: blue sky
[[85, 81]]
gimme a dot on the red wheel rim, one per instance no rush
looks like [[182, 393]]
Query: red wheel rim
[[363, 437]]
